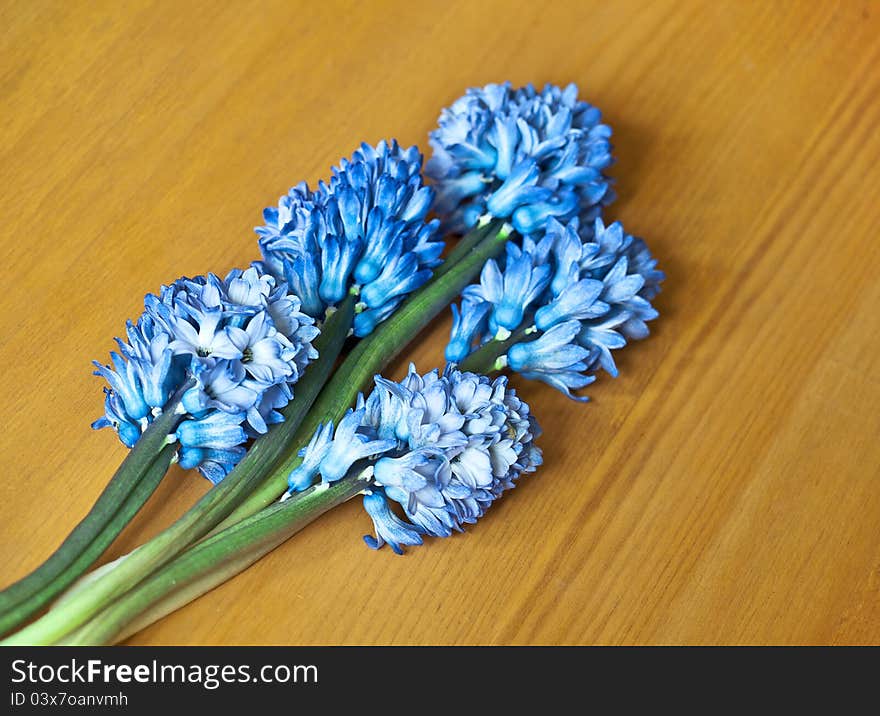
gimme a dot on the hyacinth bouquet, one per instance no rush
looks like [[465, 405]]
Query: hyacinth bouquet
[[268, 380]]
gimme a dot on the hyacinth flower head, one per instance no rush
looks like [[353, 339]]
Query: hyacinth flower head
[[362, 233], [437, 451], [520, 155], [242, 341], [554, 308]]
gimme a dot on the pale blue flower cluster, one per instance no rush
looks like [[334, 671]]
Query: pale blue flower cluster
[[363, 233], [559, 304], [442, 446], [520, 155], [243, 341]]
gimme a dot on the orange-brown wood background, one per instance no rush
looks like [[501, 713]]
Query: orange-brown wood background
[[724, 489]]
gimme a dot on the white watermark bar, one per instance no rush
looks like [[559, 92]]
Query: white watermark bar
[[398, 680]]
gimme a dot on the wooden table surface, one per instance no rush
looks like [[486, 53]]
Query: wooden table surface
[[724, 489]]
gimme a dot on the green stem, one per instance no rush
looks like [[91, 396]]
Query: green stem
[[212, 562], [210, 509], [94, 549], [97, 529], [464, 245], [372, 354], [486, 358]]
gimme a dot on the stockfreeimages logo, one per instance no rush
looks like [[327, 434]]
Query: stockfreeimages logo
[[210, 676]]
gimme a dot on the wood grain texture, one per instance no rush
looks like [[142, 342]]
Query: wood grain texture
[[724, 489]]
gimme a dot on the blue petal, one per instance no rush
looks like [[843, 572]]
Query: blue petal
[[389, 527]]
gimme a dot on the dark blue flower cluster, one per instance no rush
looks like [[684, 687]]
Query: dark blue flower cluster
[[242, 339], [520, 155], [363, 233], [443, 447], [559, 304]]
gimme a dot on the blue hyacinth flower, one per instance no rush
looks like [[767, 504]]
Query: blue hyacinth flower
[[363, 233], [243, 342], [559, 303], [440, 449], [521, 155]]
